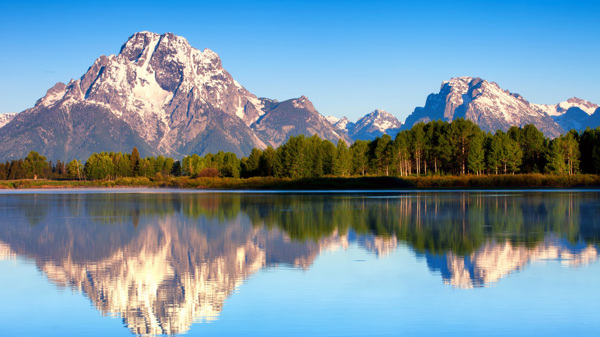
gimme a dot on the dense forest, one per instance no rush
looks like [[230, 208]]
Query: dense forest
[[435, 148]]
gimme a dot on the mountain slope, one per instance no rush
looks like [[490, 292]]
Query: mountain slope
[[68, 131], [484, 103], [573, 119], [294, 117], [594, 120]]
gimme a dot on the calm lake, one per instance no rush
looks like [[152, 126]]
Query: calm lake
[[152, 262]]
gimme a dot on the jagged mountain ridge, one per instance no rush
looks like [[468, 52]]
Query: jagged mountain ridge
[[562, 107], [573, 113], [176, 99], [375, 124], [372, 125], [484, 103]]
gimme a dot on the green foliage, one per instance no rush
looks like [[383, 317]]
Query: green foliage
[[476, 156], [360, 160], [99, 166], [75, 169], [35, 165], [342, 162]]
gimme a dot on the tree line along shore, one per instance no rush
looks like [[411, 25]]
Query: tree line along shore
[[432, 155]]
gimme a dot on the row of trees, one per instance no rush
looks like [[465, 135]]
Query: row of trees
[[437, 148], [460, 147]]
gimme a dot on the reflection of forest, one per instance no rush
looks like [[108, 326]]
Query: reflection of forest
[[163, 261]]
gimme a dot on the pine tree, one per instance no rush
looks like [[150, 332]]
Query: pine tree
[[135, 162]]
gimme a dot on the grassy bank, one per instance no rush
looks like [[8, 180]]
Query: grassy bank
[[327, 183]]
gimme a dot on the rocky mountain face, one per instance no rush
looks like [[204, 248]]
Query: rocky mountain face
[[484, 103], [293, 117], [369, 127], [161, 95]]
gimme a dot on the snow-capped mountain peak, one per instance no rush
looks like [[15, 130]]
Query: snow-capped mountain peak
[[168, 97], [375, 124], [483, 102]]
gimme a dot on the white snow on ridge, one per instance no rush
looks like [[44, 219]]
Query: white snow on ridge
[[562, 107], [5, 118], [332, 119]]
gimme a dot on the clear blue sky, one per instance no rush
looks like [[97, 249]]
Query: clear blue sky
[[348, 57]]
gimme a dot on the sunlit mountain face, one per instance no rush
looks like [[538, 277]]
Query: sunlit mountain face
[[162, 261]]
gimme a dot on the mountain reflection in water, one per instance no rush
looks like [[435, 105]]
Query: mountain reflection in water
[[163, 261]]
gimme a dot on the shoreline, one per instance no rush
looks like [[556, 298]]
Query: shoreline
[[265, 184]]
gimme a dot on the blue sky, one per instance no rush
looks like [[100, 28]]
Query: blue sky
[[348, 57]]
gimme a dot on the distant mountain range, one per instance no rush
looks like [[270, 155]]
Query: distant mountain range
[[371, 126], [163, 96]]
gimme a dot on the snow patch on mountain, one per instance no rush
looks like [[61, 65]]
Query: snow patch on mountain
[[5, 118], [344, 124], [332, 119]]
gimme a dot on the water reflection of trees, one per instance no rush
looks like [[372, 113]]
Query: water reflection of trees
[[460, 222]]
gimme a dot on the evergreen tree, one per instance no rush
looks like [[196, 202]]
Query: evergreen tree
[[134, 160], [250, 165], [266, 164], [328, 151]]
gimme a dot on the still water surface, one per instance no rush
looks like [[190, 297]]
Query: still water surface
[[137, 262]]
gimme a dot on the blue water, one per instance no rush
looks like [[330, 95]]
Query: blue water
[[155, 262]]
